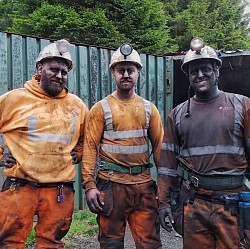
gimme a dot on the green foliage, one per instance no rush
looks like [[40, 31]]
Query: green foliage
[[83, 225], [219, 22], [88, 26], [151, 26], [31, 238]]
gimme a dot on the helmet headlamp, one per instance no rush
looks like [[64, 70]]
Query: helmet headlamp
[[126, 49], [62, 46], [197, 44]]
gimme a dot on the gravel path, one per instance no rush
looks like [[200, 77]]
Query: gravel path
[[169, 241]]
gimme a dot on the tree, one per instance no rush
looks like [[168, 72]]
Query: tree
[[101, 23], [219, 22], [152, 26], [88, 26]]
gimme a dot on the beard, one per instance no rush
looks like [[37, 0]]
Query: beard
[[49, 87]]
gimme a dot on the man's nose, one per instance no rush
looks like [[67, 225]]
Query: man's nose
[[59, 74], [125, 75], [200, 73]]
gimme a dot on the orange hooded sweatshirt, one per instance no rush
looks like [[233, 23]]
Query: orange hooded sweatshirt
[[41, 131]]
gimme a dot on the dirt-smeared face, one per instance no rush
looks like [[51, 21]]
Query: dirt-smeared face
[[54, 75], [125, 75], [203, 77]]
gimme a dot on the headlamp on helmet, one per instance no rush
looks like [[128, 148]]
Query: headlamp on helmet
[[62, 46], [125, 53], [196, 45], [126, 49]]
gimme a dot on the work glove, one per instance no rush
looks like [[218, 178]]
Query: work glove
[[7, 160], [166, 218], [76, 160]]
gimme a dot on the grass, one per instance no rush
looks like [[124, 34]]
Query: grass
[[83, 225]]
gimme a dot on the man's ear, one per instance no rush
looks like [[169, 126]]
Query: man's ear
[[39, 68], [217, 72]]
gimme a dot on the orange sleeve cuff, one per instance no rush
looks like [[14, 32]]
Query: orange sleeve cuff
[[1, 151], [89, 185]]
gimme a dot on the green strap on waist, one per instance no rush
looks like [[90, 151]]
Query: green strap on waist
[[211, 182], [106, 165]]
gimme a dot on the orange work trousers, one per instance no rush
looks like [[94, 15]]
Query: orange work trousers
[[137, 205], [18, 207], [209, 225]]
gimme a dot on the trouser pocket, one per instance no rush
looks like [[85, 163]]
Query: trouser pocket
[[106, 191]]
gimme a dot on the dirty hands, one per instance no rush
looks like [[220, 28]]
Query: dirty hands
[[7, 160], [94, 200], [73, 154], [163, 214]]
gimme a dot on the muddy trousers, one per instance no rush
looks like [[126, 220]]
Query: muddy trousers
[[18, 207], [208, 225], [137, 205]]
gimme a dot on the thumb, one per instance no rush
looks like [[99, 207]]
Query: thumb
[[100, 198]]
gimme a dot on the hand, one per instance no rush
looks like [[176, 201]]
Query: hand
[[94, 200], [74, 157], [7, 160], [163, 214]]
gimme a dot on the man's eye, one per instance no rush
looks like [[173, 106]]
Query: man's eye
[[64, 73], [121, 71], [206, 69], [194, 72], [53, 70]]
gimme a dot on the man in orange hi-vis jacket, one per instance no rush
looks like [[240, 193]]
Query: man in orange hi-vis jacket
[[43, 127], [119, 127]]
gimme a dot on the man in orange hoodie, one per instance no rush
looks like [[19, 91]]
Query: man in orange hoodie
[[119, 127], [42, 125]]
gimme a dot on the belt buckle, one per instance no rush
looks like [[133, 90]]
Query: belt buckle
[[195, 181], [130, 170], [101, 164], [38, 185]]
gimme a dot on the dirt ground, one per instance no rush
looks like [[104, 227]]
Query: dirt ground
[[169, 241]]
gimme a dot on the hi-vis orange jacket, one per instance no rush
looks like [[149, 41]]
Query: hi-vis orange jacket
[[41, 131], [118, 131]]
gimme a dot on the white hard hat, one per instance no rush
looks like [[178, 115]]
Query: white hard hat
[[58, 49], [125, 53], [199, 51]]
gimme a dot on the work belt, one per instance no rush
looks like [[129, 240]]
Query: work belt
[[42, 185], [106, 165], [211, 182]]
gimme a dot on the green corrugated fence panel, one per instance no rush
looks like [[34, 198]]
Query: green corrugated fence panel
[[94, 75], [83, 75], [90, 77], [141, 88], [31, 52], [17, 62], [3, 64], [169, 85]]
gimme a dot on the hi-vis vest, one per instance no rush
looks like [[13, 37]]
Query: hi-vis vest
[[111, 134]]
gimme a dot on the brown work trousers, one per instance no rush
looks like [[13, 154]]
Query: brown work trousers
[[19, 206], [208, 225], [137, 205]]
